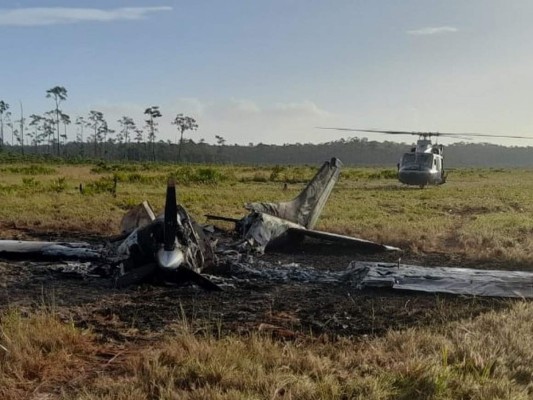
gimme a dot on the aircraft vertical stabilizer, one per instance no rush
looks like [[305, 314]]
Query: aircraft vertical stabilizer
[[307, 206]]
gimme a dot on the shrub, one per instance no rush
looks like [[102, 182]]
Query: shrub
[[259, 177], [207, 175], [105, 184], [276, 173], [30, 170], [30, 182], [103, 167], [58, 185]]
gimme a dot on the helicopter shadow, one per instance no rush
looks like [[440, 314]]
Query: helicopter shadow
[[400, 188]]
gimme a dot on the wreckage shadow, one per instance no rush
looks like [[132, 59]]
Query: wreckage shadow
[[399, 187]]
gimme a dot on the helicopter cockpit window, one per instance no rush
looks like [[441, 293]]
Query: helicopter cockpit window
[[409, 158], [419, 159], [425, 159]]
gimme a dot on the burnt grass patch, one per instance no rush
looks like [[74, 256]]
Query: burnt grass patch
[[305, 308]]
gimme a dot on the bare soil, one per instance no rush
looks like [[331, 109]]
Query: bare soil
[[288, 310]]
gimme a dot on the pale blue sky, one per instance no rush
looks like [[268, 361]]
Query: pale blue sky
[[270, 71]]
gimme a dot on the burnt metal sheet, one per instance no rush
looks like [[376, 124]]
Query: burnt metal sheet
[[465, 281], [41, 249]]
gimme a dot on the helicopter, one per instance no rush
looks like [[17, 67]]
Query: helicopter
[[423, 165]]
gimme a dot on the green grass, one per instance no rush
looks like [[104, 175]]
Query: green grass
[[479, 213]]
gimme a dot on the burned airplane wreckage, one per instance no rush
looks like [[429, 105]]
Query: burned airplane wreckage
[[176, 249], [274, 224], [171, 245]]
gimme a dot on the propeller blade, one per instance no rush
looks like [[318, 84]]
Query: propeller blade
[[170, 227]]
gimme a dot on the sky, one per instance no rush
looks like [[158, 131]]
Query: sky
[[272, 71]]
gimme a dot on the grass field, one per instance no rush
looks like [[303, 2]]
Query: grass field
[[479, 218], [481, 214]]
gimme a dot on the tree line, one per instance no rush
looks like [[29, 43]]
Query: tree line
[[46, 133], [354, 152]]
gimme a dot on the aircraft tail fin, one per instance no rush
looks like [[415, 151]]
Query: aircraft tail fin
[[307, 206]]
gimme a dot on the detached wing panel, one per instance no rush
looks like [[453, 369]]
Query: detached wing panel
[[360, 244], [19, 249], [461, 281]]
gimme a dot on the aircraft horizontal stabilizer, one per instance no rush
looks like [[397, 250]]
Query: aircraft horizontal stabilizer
[[360, 244]]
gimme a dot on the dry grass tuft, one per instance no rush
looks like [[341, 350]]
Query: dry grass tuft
[[40, 353]]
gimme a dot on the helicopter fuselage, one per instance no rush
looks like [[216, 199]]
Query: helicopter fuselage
[[423, 165], [420, 177]]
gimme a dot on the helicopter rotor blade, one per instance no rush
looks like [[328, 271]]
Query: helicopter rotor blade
[[485, 135], [462, 137], [378, 131], [449, 134]]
